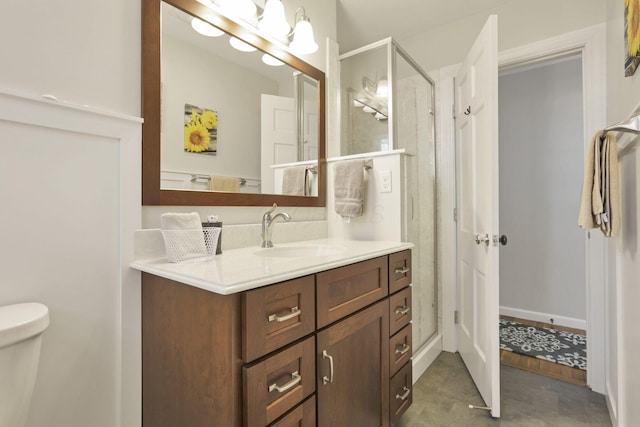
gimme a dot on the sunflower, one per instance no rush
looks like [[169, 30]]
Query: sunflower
[[209, 119], [633, 26], [196, 138], [195, 117]]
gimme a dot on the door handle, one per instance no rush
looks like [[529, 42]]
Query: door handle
[[503, 240], [480, 238]]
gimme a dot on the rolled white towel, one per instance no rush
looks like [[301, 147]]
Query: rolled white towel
[[183, 236]]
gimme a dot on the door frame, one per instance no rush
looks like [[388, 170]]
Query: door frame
[[591, 43]]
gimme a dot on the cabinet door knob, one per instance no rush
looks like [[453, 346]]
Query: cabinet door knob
[[295, 380], [328, 379]]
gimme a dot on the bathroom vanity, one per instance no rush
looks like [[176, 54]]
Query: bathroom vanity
[[306, 334]]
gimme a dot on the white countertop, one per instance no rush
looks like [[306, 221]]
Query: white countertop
[[242, 269]]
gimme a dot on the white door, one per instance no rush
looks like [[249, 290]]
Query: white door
[[476, 112], [278, 133]]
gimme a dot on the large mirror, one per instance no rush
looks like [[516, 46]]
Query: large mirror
[[223, 127]]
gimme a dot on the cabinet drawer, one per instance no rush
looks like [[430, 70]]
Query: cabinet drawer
[[344, 290], [400, 393], [279, 383], [400, 349], [399, 270], [399, 310], [304, 415], [277, 315]]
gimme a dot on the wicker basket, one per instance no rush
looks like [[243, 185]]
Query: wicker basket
[[191, 245]]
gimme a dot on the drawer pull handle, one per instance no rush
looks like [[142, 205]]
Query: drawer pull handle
[[295, 380], [295, 312], [403, 396], [403, 270], [402, 310], [402, 348], [328, 379]]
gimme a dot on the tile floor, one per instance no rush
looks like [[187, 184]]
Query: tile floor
[[442, 395]]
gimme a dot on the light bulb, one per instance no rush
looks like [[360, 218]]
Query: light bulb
[[303, 42], [273, 22]]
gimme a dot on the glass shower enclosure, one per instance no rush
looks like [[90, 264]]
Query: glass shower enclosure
[[387, 103]]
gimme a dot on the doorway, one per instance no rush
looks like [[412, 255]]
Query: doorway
[[543, 267], [591, 43]]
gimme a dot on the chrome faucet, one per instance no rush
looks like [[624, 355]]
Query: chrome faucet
[[267, 222]]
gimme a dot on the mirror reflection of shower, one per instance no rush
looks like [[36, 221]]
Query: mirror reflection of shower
[[375, 98]]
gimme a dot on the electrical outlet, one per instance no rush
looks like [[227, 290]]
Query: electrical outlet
[[385, 181]]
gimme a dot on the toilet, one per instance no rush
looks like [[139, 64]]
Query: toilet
[[21, 327]]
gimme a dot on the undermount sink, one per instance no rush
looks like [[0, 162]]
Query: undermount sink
[[300, 251]]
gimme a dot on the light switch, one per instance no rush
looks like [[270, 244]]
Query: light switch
[[385, 180]]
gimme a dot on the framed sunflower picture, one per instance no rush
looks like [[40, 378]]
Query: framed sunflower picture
[[200, 130], [631, 36]]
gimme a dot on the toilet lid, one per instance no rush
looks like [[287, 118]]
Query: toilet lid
[[22, 321]]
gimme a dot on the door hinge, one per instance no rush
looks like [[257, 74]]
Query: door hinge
[[453, 111], [455, 317], [455, 214]]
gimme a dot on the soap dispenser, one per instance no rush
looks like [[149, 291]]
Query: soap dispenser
[[213, 221]]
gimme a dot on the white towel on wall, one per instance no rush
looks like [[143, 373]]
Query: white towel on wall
[[349, 188], [294, 180]]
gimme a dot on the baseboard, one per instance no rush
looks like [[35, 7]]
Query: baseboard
[[535, 316], [424, 357], [612, 406]]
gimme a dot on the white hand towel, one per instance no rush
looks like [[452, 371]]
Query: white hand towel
[[183, 236], [349, 188], [294, 180]]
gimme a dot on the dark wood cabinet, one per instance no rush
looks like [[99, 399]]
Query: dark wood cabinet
[[327, 349], [353, 370]]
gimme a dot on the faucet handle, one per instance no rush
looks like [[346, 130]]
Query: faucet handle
[[270, 211]]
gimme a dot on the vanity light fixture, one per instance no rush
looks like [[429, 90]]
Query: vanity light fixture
[[382, 89], [303, 42], [240, 45], [273, 22], [243, 9], [205, 28]]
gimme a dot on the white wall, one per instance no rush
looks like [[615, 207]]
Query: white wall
[[519, 22], [542, 269], [623, 94], [66, 250]]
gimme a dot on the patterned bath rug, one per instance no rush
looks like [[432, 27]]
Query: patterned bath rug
[[561, 347]]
